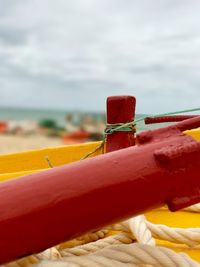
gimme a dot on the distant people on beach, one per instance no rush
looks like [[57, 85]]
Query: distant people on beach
[[87, 129], [77, 127]]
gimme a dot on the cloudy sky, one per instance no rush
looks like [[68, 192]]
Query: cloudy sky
[[72, 54]]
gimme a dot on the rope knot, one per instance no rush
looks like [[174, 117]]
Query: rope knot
[[120, 127]]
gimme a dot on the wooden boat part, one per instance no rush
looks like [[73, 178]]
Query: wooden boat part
[[46, 208]]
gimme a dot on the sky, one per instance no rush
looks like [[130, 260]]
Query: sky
[[68, 54]]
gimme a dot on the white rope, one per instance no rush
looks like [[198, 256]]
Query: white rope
[[24, 262], [121, 238], [193, 208], [140, 230], [188, 236], [49, 254], [127, 255], [90, 237], [94, 236]]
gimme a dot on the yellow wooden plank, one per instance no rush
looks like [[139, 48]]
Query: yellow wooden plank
[[33, 160], [195, 133], [174, 219]]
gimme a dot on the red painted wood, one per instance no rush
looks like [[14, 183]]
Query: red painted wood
[[43, 209], [166, 132], [120, 109], [188, 124], [174, 118]]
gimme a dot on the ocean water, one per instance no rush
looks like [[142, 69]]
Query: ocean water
[[18, 114]]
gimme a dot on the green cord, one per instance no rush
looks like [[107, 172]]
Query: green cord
[[154, 116], [178, 112], [122, 127]]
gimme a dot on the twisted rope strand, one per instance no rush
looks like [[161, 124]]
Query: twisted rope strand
[[121, 238], [145, 234], [128, 255], [193, 208], [140, 231], [189, 236]]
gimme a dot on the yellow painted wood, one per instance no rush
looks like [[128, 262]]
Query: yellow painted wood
[[181, 219], [195, 133], [34, 160]]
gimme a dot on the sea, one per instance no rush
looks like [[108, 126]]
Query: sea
[[28, 114], [18, 114]]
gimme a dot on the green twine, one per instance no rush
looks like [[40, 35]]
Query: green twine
[[120, 127], [168, 113], [95, 150], [48, 161], [178, 112], [131, 126]]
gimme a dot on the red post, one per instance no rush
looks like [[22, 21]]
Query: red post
[[120, 109], [43, 209]]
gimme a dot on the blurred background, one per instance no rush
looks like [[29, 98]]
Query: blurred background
[[59, 60]]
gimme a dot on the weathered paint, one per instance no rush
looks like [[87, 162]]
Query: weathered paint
[[43, 209]]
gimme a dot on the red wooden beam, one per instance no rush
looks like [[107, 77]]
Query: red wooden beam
[[120, 109], [43, 209], [174, 118]]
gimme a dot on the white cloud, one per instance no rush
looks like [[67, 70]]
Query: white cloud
[[72, 54]]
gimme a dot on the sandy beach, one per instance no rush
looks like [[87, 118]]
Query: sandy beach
[[12, 143]]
